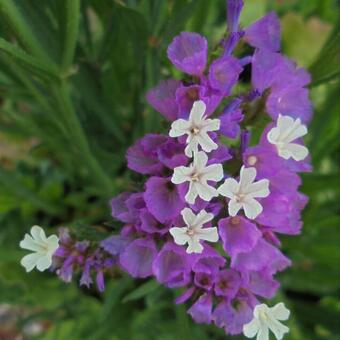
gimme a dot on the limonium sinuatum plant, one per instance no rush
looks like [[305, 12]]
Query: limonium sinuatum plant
[[221, 184]]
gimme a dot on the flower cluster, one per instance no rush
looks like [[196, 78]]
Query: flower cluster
[[215, 197], [84, 259], [200, 191]]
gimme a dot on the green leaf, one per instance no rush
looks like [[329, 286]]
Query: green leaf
[[327, 65], [36, 65], [143, 290], [72, 17]]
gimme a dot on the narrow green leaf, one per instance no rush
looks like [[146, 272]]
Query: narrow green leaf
[[142, 291], [72, 17], [327, 65], [36, 65]]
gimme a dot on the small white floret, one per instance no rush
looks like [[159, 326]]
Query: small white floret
[[265, 319], [197, 128], [42, 247], [286, 131], [242, 194], [198, 174], [194, 232]]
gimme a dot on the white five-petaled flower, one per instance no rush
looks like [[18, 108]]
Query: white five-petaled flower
[[43, 248], [286, 131], [197, 128], [242, 194], [194, 231], [198, 174], [265, 319]]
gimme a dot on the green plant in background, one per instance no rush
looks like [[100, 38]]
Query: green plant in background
[[73, 75]]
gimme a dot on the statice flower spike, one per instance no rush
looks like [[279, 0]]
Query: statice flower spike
[[198, 174], [194, 231], [265, 319], [286, 131], [197, 128], [43, 249], [242, 194]]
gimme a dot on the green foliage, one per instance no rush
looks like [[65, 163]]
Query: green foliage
[[73, 77]]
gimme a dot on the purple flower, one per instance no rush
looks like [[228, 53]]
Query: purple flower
[[263, 256], [188, 52], [150, 225], [172, 266], [227, 284], [115, 244], [100, 281], [224, 73], [171, 154], [162, 199], [185, 296], [234, 8], [230, 123], [238, 234], [163, 98], [201, 310], [138, 256], [142, 156], [265, 33], [204, 280]]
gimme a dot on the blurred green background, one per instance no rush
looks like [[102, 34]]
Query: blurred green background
[[73, 76]]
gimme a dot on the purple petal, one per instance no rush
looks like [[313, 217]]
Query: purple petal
[[238, 234], [162, 199], [265, 33], [227, 283], [138, 256], [188, 52], [224, 73], [230, 123], [204, 280], [171, 266], [115, 244], [263, 256], [201, 310], [150, 225], [100, 281], [185, 296], [171, 154], [234, 8], [209, 261], [163, 99], [262, 284]]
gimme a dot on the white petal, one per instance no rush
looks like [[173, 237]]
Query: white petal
[[250, 329], [38, 234], [181, 174], [213, 172], [229, 188], [297, 151], [280, 312], [211, 125], [44, 262], [206, 142], [273, 135], [30, 261], [194, 246], [252, 208], [191, 195], [285, 123], [180, 235], [247, 176], [29, 244], [205, 191], [188, 216], [263, 333], [234, 207], [197, 111], [53, 243], [200, 160], [208, 234], [202, 218], [179, 128], [259, 189], [192, 147], [277, 328]]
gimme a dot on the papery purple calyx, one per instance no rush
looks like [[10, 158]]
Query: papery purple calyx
[[188, 52]]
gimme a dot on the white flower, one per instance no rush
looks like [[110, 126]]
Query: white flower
[[282, 136], [265, 319], [197, 128], [242, 194], [43, 248], [193, 232], [197, 173]]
